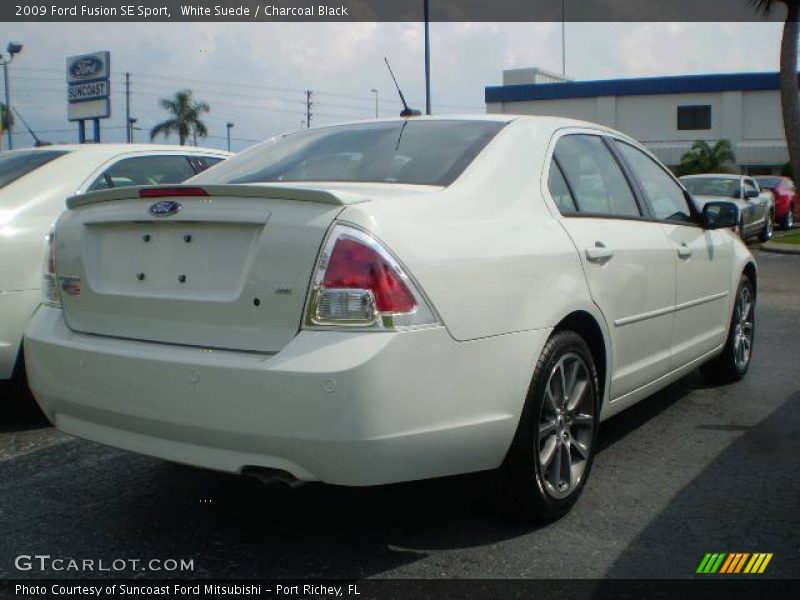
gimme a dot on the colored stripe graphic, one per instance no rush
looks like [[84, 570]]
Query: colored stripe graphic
[[734, 562]]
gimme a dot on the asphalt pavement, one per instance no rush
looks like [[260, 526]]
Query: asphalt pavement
[[694, 469]]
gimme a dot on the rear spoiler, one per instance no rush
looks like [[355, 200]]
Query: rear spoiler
[[282, 192]]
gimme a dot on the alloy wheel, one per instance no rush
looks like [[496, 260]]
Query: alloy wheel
[[566, 425], [743, 328]]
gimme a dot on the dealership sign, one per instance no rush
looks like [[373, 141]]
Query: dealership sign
[[88, 87]]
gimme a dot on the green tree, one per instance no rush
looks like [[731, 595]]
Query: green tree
[[6, 121], [790, 100], [704, 158], [185, 120]]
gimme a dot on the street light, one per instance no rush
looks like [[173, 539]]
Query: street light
[[228, 126], [374, 91], [13, 48]]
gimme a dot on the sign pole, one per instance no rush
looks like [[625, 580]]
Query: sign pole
[[96, 131], [82, 131]]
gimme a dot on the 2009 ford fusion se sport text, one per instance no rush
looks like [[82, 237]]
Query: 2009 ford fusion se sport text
[[389, 301]]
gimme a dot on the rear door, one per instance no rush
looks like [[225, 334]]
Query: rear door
[[628, 260], [703, 260]]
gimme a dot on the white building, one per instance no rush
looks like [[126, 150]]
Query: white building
[[666, 113]]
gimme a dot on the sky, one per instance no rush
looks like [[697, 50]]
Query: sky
[[255, 74]]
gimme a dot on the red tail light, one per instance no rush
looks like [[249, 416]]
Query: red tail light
[[359, 283], [172, 192], [354, 265]]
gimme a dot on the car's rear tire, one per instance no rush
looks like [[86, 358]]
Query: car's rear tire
[[766, 231], [788, 219], [551, 456], [735, 359]]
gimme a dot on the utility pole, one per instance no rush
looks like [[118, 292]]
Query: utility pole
[[374, 91], [563, 39], [309, 104], [427, 58], [228, 127], [128, 129]]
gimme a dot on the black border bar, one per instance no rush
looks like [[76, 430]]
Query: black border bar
[[385, 10]]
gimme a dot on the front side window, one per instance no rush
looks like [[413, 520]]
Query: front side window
[[14, 165], [750, 186], [595, 177], [665, 197], [144, 170], [412, 152]]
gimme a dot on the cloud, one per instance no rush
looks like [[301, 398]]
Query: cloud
[[255, 74]]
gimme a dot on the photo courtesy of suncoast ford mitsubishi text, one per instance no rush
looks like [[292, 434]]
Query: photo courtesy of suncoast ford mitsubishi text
[[392, 300]]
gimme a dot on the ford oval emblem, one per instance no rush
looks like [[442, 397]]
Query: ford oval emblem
[[85, 68], [165, 208]]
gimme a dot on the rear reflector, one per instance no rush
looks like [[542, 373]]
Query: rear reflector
[[172, 192]]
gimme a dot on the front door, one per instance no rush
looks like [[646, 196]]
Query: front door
[[702, 260]]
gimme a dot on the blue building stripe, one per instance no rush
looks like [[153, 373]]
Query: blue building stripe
[[682, 84]]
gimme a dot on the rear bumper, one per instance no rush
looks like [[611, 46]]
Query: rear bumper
[[15, 310], [339, 407]]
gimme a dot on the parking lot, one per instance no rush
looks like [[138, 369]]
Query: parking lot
[[694, 469]]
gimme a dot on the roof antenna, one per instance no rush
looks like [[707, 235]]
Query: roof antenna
[[37, 142], [406, 112]]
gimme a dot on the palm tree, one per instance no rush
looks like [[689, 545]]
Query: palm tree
[[790, 100], [704, 158], [185, 119], [6, 121]]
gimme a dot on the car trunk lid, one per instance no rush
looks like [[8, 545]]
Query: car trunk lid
[[221, 267]]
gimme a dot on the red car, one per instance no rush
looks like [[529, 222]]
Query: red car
[[787, 204]]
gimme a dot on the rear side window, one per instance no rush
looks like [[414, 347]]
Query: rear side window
[[144, 170], [665, 197], [201, 163], [413, 152], [14, 165], [559, 190], [595, 177]]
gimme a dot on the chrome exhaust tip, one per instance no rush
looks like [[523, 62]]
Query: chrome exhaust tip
[[272, 477]]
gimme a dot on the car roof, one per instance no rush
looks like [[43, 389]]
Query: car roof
[[549, 121], [115, 149]]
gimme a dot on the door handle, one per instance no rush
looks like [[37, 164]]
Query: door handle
[[684, 251], [599, 253]]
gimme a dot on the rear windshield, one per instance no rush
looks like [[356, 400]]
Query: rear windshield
[[14, 165], [413, 152], [768, 181]]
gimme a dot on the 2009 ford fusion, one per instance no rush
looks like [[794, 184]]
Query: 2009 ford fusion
[[390, 301]]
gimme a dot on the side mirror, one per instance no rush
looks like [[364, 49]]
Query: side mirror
[[720, 215], [751, 194]]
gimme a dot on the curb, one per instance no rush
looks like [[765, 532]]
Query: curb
[[778, 248]]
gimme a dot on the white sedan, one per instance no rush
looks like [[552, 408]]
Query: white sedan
[[34, 185], [391, 301]]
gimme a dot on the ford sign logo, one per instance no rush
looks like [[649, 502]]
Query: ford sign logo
[[85, 68], [165, 208]]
